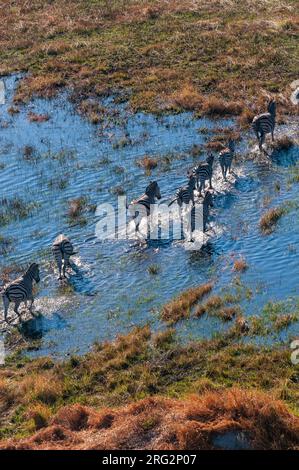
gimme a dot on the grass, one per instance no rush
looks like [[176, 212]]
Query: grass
[[270, 219], [163, 56], [77, 209], [147, 163], [240, 265], [169, 424], [14, 209], [6, 244], [138, 365], [283, 143], [33, 117], [154, 269], [180, 306]]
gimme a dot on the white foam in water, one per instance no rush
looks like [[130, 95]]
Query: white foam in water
[[50, 305]]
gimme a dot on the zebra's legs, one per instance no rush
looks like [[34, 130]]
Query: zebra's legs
[[210, 179], [261, 141], [31, 305], [272, 134], [66, 263], [58, 259], [6, 305], [16, 309]]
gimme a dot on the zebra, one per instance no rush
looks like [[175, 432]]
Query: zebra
[[62, 250], [20, 290], [264, 124], [152, 192], [203, 172], [226, 157], [206, 204], [185, 195]]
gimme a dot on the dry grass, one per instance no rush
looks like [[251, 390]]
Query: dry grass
[[43, 387], [147, 163], [240, 265], [136, 365], [269, 220], [214, 106], [283, 143], [40, 415], [33, 117], [7, 394], [245, 118], [188, 98], [179, 307], [76, 207], [160, 423], [167, 54]]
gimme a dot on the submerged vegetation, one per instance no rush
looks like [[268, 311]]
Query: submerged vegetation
[[14, 209], [169, 56]]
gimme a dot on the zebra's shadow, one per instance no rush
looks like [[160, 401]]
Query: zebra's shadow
[[77, 278], [202, 258], [35, 327]]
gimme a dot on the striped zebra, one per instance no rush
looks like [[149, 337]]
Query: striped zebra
[[62, 250], [206, 204], [152, 192], [185, 194], [226, 157], [203, 172], [264, 124], [20, 290]]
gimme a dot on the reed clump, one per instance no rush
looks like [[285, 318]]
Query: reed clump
[[270, 219], [180, 306]]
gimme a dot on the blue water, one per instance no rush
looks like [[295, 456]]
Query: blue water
[[113, 290]]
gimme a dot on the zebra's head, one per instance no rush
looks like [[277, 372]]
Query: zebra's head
[[153, 190], [231, 145], [210, 159], [208, 199], [272, 107], [33, 270]]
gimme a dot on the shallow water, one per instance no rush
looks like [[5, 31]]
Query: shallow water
[[112, 289]]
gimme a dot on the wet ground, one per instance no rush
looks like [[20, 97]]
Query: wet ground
[[46, 164]]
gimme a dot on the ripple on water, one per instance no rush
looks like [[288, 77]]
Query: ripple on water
[[113, 288]]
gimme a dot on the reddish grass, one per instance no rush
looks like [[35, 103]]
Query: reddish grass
[[33, 117], [240, 265], [147, 163], [161, 423], [283, 143], [245, 118], [214, 106], [188, 98], [76, 207], [269, 220], [179, 307]]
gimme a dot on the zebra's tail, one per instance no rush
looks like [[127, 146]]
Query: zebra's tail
[[173, 201]]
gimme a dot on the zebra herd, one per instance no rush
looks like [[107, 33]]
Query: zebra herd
[[21, 289]]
